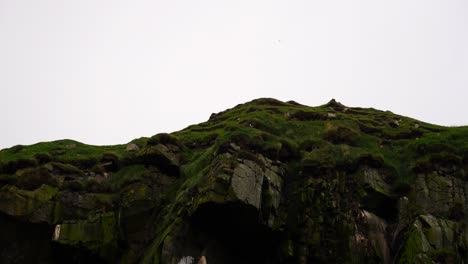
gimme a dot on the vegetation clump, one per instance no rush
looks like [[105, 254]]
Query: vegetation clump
[[43, 158], [340, 135], [162, 138]]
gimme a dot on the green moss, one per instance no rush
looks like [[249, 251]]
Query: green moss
[[11, 166], [43, 158], [415, 244], [341, 135], [98, 234], [162, 138], [195, 170], [64, 151], [58, 212], [126, 176], [43, 193], [318, 160], [153, 253], [18, 202], [136, 198]]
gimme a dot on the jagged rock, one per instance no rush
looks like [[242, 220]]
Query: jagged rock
[[246, 183], [165, 157], [431, 239], [131, 147], [437, 194], [335, 105], [375, 180]]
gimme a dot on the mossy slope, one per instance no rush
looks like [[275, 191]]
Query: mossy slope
[[308, 184]]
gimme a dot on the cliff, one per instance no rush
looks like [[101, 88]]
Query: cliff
[[263, 182]]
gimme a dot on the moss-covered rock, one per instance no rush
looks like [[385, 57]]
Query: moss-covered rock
[[36, 205], [264, 182], [431, 239], [98, 234]]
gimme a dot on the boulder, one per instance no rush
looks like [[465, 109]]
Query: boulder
[[246, 183], [166, 157], [132, 147]]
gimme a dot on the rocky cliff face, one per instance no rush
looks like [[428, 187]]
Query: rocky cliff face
[[263, 182]]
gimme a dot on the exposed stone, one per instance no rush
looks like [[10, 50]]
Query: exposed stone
[[247, 183], [131, 147], [187, 260], [375, 179], [234, 146], [429, 235], [395, 123], [166, 157], [437, 194], [56, 233]]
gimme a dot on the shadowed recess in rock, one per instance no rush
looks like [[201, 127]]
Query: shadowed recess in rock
[[232, 233]]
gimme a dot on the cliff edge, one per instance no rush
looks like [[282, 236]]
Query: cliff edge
[[264, 182]]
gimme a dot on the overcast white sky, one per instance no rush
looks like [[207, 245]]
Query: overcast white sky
[[105, 72]]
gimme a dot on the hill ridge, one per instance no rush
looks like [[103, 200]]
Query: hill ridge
[[263, 182]]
